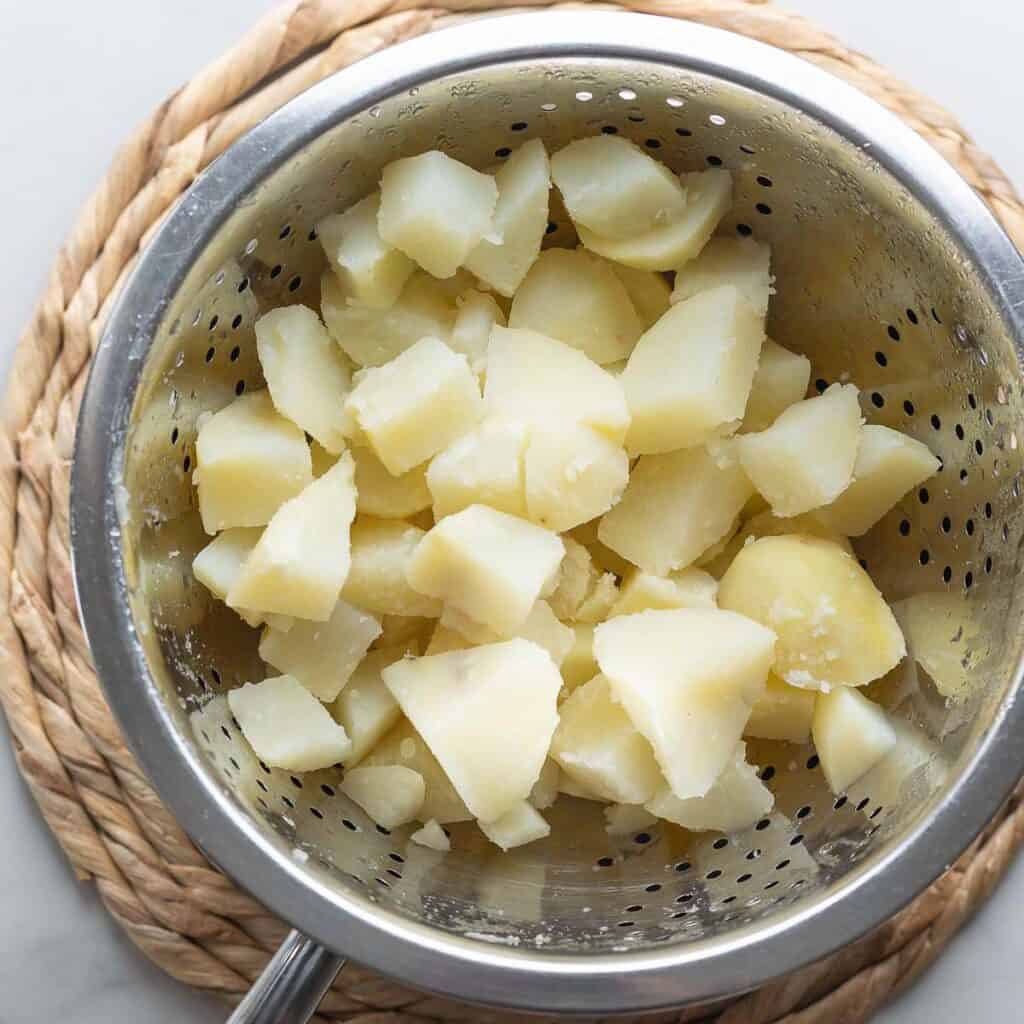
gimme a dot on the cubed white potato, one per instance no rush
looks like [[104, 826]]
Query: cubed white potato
[[834, 627], [322, 655], [382, 551], [446, 638], [457, 631], [484, 466], [780, 381], [468, 628], [783, 712], [888, 465], [249, 461], [687, 679], [851, 735], [432, 836], [390, 794], [486, 564], [737, 800], [665, 247], [300, 563], [576, 578], [411, 633], [942, 630], [764, 524], [690, 374], [598, 746], [546, 631], [476, 315], [611, 186], [574, 296], [570, 787], [599, 603], [217, 566], [545, 789], [436, 210], [674, 508], [520, 220], [380, 494], [805, 459], [579, 665], [487, 714], [287, 726], [545, 383], [519, 825], [742, 262], [603, 557], [641, 592], [373, 337], [371, 272], [571, 476], [625, 819], [648, 291], [416, 405], [365, 708]]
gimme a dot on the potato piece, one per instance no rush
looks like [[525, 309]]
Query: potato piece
[[708, 198], [545, 789], [217, 566], [579, 665], [471, 333], [411, 633], [783, 712], [370, 271], [546, 631], [626, 819], [767, 525], [250, 460], [600, 601], [687, 679], [322, 655], [690, 374], [301, 561], [518, 826], [545, 383], [889, 464], [444, 639], [942, 633], [851, 735], [575, 297], [570, 787], [674, 508], [390, 794], [833, 625], [432, 836], [805, 459], [602, 556], [456, 632], [647, 290], [641, 592], [780, 381], [576, 578], [482, 467], [416, 405], [365, 708], [520, 220], [737, 800], [287, 726], [611, 186], [380, 494], [487, 565], [321, 459], [435, 210], [488, 715], [598, 746], [741, 262]]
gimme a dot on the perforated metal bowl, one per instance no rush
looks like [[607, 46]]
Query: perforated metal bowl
[[891, 273]]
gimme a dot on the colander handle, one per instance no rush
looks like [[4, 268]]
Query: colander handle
[[291, 986]]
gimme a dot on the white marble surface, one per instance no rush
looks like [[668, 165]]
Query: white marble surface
[[75, 78]]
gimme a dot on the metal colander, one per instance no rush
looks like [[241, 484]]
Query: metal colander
[[891, 274]]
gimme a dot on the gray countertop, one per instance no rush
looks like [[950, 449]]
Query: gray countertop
[[76, 78]]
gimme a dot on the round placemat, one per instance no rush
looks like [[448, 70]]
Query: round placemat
[[179, 910]]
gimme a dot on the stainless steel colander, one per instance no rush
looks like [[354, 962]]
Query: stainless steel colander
[[891, 273]]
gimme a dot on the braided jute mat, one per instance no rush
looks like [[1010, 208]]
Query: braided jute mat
[[179, 910]]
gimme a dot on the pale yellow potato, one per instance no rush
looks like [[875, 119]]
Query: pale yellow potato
[[576, 578], [475, 317], [446, 638], [370, 271], [520, 220], [600, 601], [780, 381], [744, 263], [364, 707], [545, 789], [546, 631], [456, 632], [390, 794], [641, 592], [889, 464], [487, 714], [432, 836], [380, 494], [570, 787], [942, 630], [411, 633], [783, 712], [574, 296], [579, 665], [217, 567], [690, 374], [805, 459], [764, 524], [687, 679], [519, 825], [416, 405], [604, 559], [851, 735], [647, 290], [321, 459], [249, 461], [625, 819], [436, 210], [834, 627]]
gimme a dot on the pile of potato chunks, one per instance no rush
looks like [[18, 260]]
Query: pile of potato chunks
[[519, 523]]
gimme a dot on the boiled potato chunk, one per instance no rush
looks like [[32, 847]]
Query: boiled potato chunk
[[435, 210], [783, 712], [520, 220], [486, 564], [518, 826], [833, 625], [598, 746], [300, 563], [625, 819], [545, 789], [674, 508], [851, 735], [249, 461], [456, 632], [476, 315], [217, 566], [487, 714], [432, 836], [690, 374], [805, 459], [416, 405], [287, 726], [687, 679], [781, 381], [570, 787], [647, 290], [741, 262], [575, 297], [611, 186], [546, 631], [942, 631], [380, 494], [390, 794], [889, 464], [576, 578], [600, 601], [579, 665], [364, 707], [370, 271], [641, 592]]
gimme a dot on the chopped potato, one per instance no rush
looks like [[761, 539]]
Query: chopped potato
[[545, 789], [647, 290], [600, 601], [364, 707], [476, 315], [456, 632], [576, 579], [764, 524], [432, 836], [783, 712], [604, 559], [380, 494], [741, 262], [625, 819], [519, 825], [217, 566], [546, 631], [446, 638], [411, 633], [390, 794], [570, 787], [851, 735], [579, 665], [942, 633], [780, 381], [321, 459], [641, 592]]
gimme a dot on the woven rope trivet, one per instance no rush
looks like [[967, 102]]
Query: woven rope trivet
[[181, 912]]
